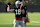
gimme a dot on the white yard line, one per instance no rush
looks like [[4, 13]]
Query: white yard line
[[35, 22]]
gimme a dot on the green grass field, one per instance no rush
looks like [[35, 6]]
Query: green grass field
[[6, 19]]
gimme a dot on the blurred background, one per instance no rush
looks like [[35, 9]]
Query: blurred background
[[33, 6]]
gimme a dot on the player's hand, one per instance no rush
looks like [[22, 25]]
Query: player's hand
[[27, 20]]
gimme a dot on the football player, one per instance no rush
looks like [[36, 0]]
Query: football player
[[24, 13], [18, 18], [7, 5]]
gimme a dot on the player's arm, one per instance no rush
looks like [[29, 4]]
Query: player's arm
[[27, 17], [26, 13], [9, 10], [23, 11]]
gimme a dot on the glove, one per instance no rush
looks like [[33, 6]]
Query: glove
[[27, 20]]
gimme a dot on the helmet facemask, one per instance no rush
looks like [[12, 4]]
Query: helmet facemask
[[18, 5]]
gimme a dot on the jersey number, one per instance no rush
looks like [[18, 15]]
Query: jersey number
[[18, 12]]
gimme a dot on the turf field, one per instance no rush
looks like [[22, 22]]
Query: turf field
[[6, 19]]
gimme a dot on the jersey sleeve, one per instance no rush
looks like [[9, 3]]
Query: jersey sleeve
[[24, 7]]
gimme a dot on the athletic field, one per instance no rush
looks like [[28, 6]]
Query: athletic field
[[6, 19]]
